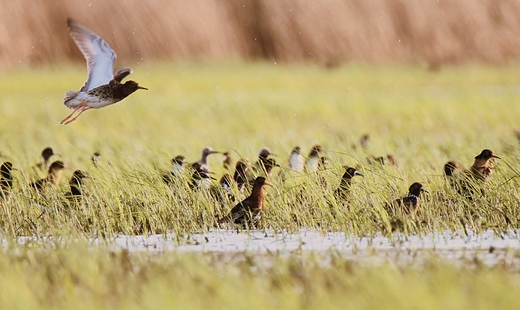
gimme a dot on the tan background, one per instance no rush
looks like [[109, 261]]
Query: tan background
[[330, 32]]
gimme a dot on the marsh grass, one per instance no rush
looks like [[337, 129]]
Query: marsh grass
[[424, 119], [76, 275], [67, 258]]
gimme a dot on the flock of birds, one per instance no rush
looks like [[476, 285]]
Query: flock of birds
[[250, 179], [103, 87]]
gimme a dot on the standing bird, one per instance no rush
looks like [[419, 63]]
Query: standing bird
[[76, 183], [223, 192], [95, 158], [53, 176], [46, 155], [409, 202], [482, 167], [6, 179], [247, 212], [103, 87], [296, 160], [343, 190], [177, 169], [323, 167], [203, 161], [227, 161], [241, 173], [451, 172], [472, 180], [313, 160], [263, 155], [268, 165], [201, 177]]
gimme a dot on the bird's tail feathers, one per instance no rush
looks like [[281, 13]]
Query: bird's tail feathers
[[68, 97]]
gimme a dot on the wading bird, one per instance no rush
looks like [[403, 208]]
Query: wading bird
[[410, 202], [313, 160], [343, 190], [248, 212], [76, 183], [6, 179], [177, 170], [53, 176]]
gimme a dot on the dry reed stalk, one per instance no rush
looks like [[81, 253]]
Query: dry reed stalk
[[330, 32]]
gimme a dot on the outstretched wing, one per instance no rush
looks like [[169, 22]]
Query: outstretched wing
[[100, 57]]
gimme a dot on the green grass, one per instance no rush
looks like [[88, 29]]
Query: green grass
[[423, 118], [76, 276]]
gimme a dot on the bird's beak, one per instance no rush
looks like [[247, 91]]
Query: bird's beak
[[494, 156], [140, 87], [14, 169], [267, 183], [423, 190], [215, 152]]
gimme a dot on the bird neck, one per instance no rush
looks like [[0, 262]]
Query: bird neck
[[121, 91], [258, 191]]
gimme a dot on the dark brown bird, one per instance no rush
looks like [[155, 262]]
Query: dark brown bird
[[76, 183], [482, 168], [241, 174], [53, 176], [323, 167], [6, 179], [177, 162], [263, 155], [314, 158], [343, 190], [223, 192], [95, 158], [201, 177], [46, 155], [248, 212], [452, 173], [409, 202], [382, 160], [102, 87], [227, 161], [364, 141], [268, 165], [470, 182]]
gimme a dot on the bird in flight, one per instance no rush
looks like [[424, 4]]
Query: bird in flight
[[103, 86]]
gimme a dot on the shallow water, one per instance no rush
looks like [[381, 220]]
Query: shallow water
[[487, 248]]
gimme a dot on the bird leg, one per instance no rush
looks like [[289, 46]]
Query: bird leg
[[76, 109], [83, 109]]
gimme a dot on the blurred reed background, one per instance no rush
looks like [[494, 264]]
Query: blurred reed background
[[329, 32]]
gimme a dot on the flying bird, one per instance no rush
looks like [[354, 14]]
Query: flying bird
[[103, 86]]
